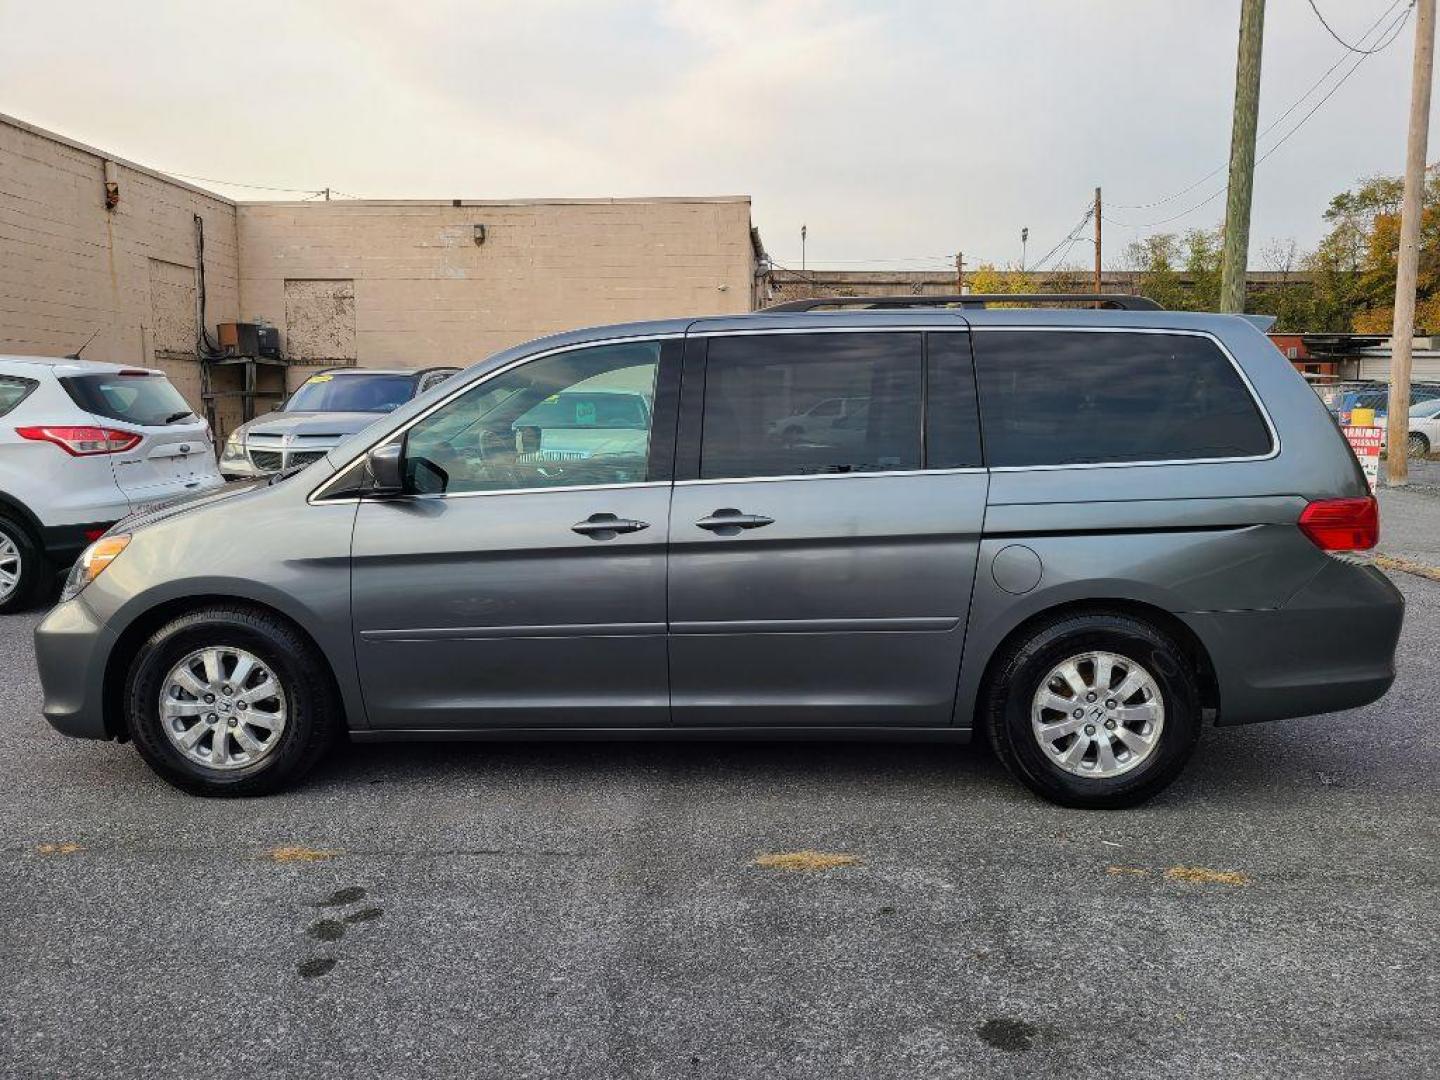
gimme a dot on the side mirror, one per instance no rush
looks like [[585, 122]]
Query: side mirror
[[385, 470]]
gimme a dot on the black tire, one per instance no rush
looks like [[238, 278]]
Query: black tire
[[313, 719], [1017, 677], [34, 567], [1417, 445]]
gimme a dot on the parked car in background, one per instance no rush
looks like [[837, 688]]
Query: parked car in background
[[325, 408], [1080, 535], [1375, 396], [1424, 434], [82, 445], [826, 415]]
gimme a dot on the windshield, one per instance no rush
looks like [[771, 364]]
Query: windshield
[[1425, 409], [352, 393], [141, 398]]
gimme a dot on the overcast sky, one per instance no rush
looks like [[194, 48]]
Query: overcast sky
[[899, 132]]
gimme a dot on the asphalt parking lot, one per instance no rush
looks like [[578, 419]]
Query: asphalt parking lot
[[592, 910]]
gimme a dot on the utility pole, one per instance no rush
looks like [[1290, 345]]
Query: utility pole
[[1236, 251], [1397, 464], [960, 272], [1024, 239], [1096, 215], [327, 194], [803, 231]]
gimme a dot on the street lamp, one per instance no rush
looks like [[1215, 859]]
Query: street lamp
[[1024, 236]]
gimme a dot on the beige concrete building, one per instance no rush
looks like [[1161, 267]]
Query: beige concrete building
[[90, 243]]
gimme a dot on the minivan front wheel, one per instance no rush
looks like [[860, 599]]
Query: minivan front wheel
[[229, 701], [1096, 710]]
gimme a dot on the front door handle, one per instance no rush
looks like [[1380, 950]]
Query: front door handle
[[729, 522], [607, 526]]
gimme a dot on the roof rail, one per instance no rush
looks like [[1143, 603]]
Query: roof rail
[[1122, 302]]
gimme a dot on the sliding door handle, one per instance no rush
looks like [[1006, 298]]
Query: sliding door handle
[[730, 522], [607, 526]]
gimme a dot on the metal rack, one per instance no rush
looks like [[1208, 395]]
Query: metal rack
[[1118, 301], [250, 391]]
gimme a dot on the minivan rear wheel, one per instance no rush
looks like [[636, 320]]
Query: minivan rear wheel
[[1097, 710], [22, 566], [230, 702]]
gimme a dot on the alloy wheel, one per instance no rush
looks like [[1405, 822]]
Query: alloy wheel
[[1098, 715], [223, 708], [11, 566]]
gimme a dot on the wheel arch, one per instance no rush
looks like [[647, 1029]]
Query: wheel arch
[[130, 640], [1165, 621], [13, 507]]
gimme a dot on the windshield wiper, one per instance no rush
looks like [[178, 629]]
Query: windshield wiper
[[178, 416]]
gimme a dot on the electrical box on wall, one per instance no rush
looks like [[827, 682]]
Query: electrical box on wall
[[268, 338], [238, 338]]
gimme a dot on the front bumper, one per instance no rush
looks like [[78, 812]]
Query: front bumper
[[1330, 647], [72, 647]]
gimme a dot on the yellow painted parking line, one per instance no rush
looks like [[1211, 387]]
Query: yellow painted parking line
[[806, 860]]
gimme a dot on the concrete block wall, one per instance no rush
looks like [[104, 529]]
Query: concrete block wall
[[70, 267], [393, 283], [425, 293]]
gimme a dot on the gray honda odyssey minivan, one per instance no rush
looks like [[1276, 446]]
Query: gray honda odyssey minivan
[[1080, 534]]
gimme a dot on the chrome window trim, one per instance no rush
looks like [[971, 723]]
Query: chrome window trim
[[1224, 351], [830, 476], [541, 490], [319, 493]]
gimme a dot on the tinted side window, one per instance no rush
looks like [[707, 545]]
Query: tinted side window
[[763, 413], [13, 391], [1064, 398], [952, 429]]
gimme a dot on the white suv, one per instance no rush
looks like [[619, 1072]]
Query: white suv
[[82, 445]]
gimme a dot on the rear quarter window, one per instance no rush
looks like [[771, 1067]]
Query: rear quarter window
[[13, 390], [1080, 398]]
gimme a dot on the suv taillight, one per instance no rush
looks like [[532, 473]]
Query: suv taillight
[[83, 441], [1342, 524]]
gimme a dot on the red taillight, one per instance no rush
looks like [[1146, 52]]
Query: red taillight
[[1342, 524], [83, 441]]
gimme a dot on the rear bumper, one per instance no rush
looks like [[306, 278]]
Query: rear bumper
[[71, 649], [1331, 647], [63, 543]]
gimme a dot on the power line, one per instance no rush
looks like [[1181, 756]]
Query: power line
[[1277, 121], [236, 183], [1391, 32], [1069, 241], [1330, 30]]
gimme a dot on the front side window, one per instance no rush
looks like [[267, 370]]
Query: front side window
[[811, 404], [13, 390], [575, 418], [1071, 397]]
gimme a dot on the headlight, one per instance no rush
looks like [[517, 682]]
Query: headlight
[[92, 563], [234, 448]]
